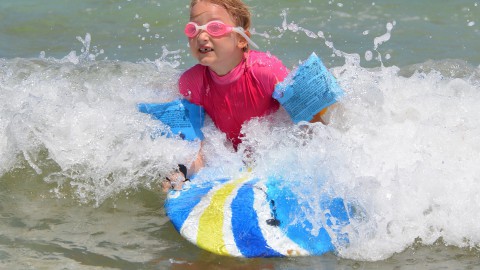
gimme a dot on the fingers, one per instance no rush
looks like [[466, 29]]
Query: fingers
[[166, 185], [174, 181]]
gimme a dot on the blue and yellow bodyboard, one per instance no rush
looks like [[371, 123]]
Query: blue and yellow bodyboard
[[250, 217]]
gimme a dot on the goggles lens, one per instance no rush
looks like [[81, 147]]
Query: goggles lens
[[191, 29]]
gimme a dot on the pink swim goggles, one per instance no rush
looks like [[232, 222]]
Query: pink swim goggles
[[216, 29]]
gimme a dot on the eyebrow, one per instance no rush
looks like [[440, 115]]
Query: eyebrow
[[193, 17]]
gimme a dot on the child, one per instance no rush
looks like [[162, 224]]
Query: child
[[231, 82]]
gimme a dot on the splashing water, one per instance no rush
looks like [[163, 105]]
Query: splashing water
[[404, 149], [75, 122], [402, 146]]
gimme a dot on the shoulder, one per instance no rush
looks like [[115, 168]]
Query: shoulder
[[266, 64], [191, 81], [193, 73], [262, 59]]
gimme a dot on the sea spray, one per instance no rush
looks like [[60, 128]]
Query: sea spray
[[84, 116], [402, 150]]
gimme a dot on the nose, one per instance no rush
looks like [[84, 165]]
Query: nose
[[203, 35]]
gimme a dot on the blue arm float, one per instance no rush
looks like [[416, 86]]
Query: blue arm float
[[307, 90], [184, 118]]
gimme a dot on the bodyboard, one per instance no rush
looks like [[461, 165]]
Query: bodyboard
[[252, 217]]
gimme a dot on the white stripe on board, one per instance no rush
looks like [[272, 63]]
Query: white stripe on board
[[274, 236]]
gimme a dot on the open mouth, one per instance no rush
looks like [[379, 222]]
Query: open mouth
[[205, 50]]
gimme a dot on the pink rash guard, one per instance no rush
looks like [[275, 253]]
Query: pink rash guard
[[242, 94]]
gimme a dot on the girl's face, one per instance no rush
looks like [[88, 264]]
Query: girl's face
[[220, 54]]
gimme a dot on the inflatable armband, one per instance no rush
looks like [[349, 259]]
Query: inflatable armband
[[307, 90], [184, 118]]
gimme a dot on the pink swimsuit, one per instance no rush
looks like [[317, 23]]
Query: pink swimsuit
[[242, 94]]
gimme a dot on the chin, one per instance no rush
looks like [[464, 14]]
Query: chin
[[205, 62]]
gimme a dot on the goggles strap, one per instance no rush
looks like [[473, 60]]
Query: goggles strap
[[242, 33]]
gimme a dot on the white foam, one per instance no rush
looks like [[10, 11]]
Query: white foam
[[84, 117], [385, 37]]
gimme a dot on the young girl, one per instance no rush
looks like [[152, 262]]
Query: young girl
[[231, 82]]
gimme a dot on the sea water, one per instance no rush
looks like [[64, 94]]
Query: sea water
[[80, 174]]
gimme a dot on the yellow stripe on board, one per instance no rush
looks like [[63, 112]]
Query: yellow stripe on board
[[210, 227]]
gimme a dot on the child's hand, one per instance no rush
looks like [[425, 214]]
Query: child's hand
[[176, 179]]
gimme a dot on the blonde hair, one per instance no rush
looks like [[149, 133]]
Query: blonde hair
[[236, 8]]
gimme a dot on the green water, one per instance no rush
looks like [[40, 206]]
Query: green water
[[137, 29]]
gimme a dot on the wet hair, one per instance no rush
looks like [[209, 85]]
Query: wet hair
[[239, 11]]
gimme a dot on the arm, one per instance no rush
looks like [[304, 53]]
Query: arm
[[189, 89], [319, 116], [198, 163]]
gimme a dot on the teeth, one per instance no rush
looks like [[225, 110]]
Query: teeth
[[204, 50]]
